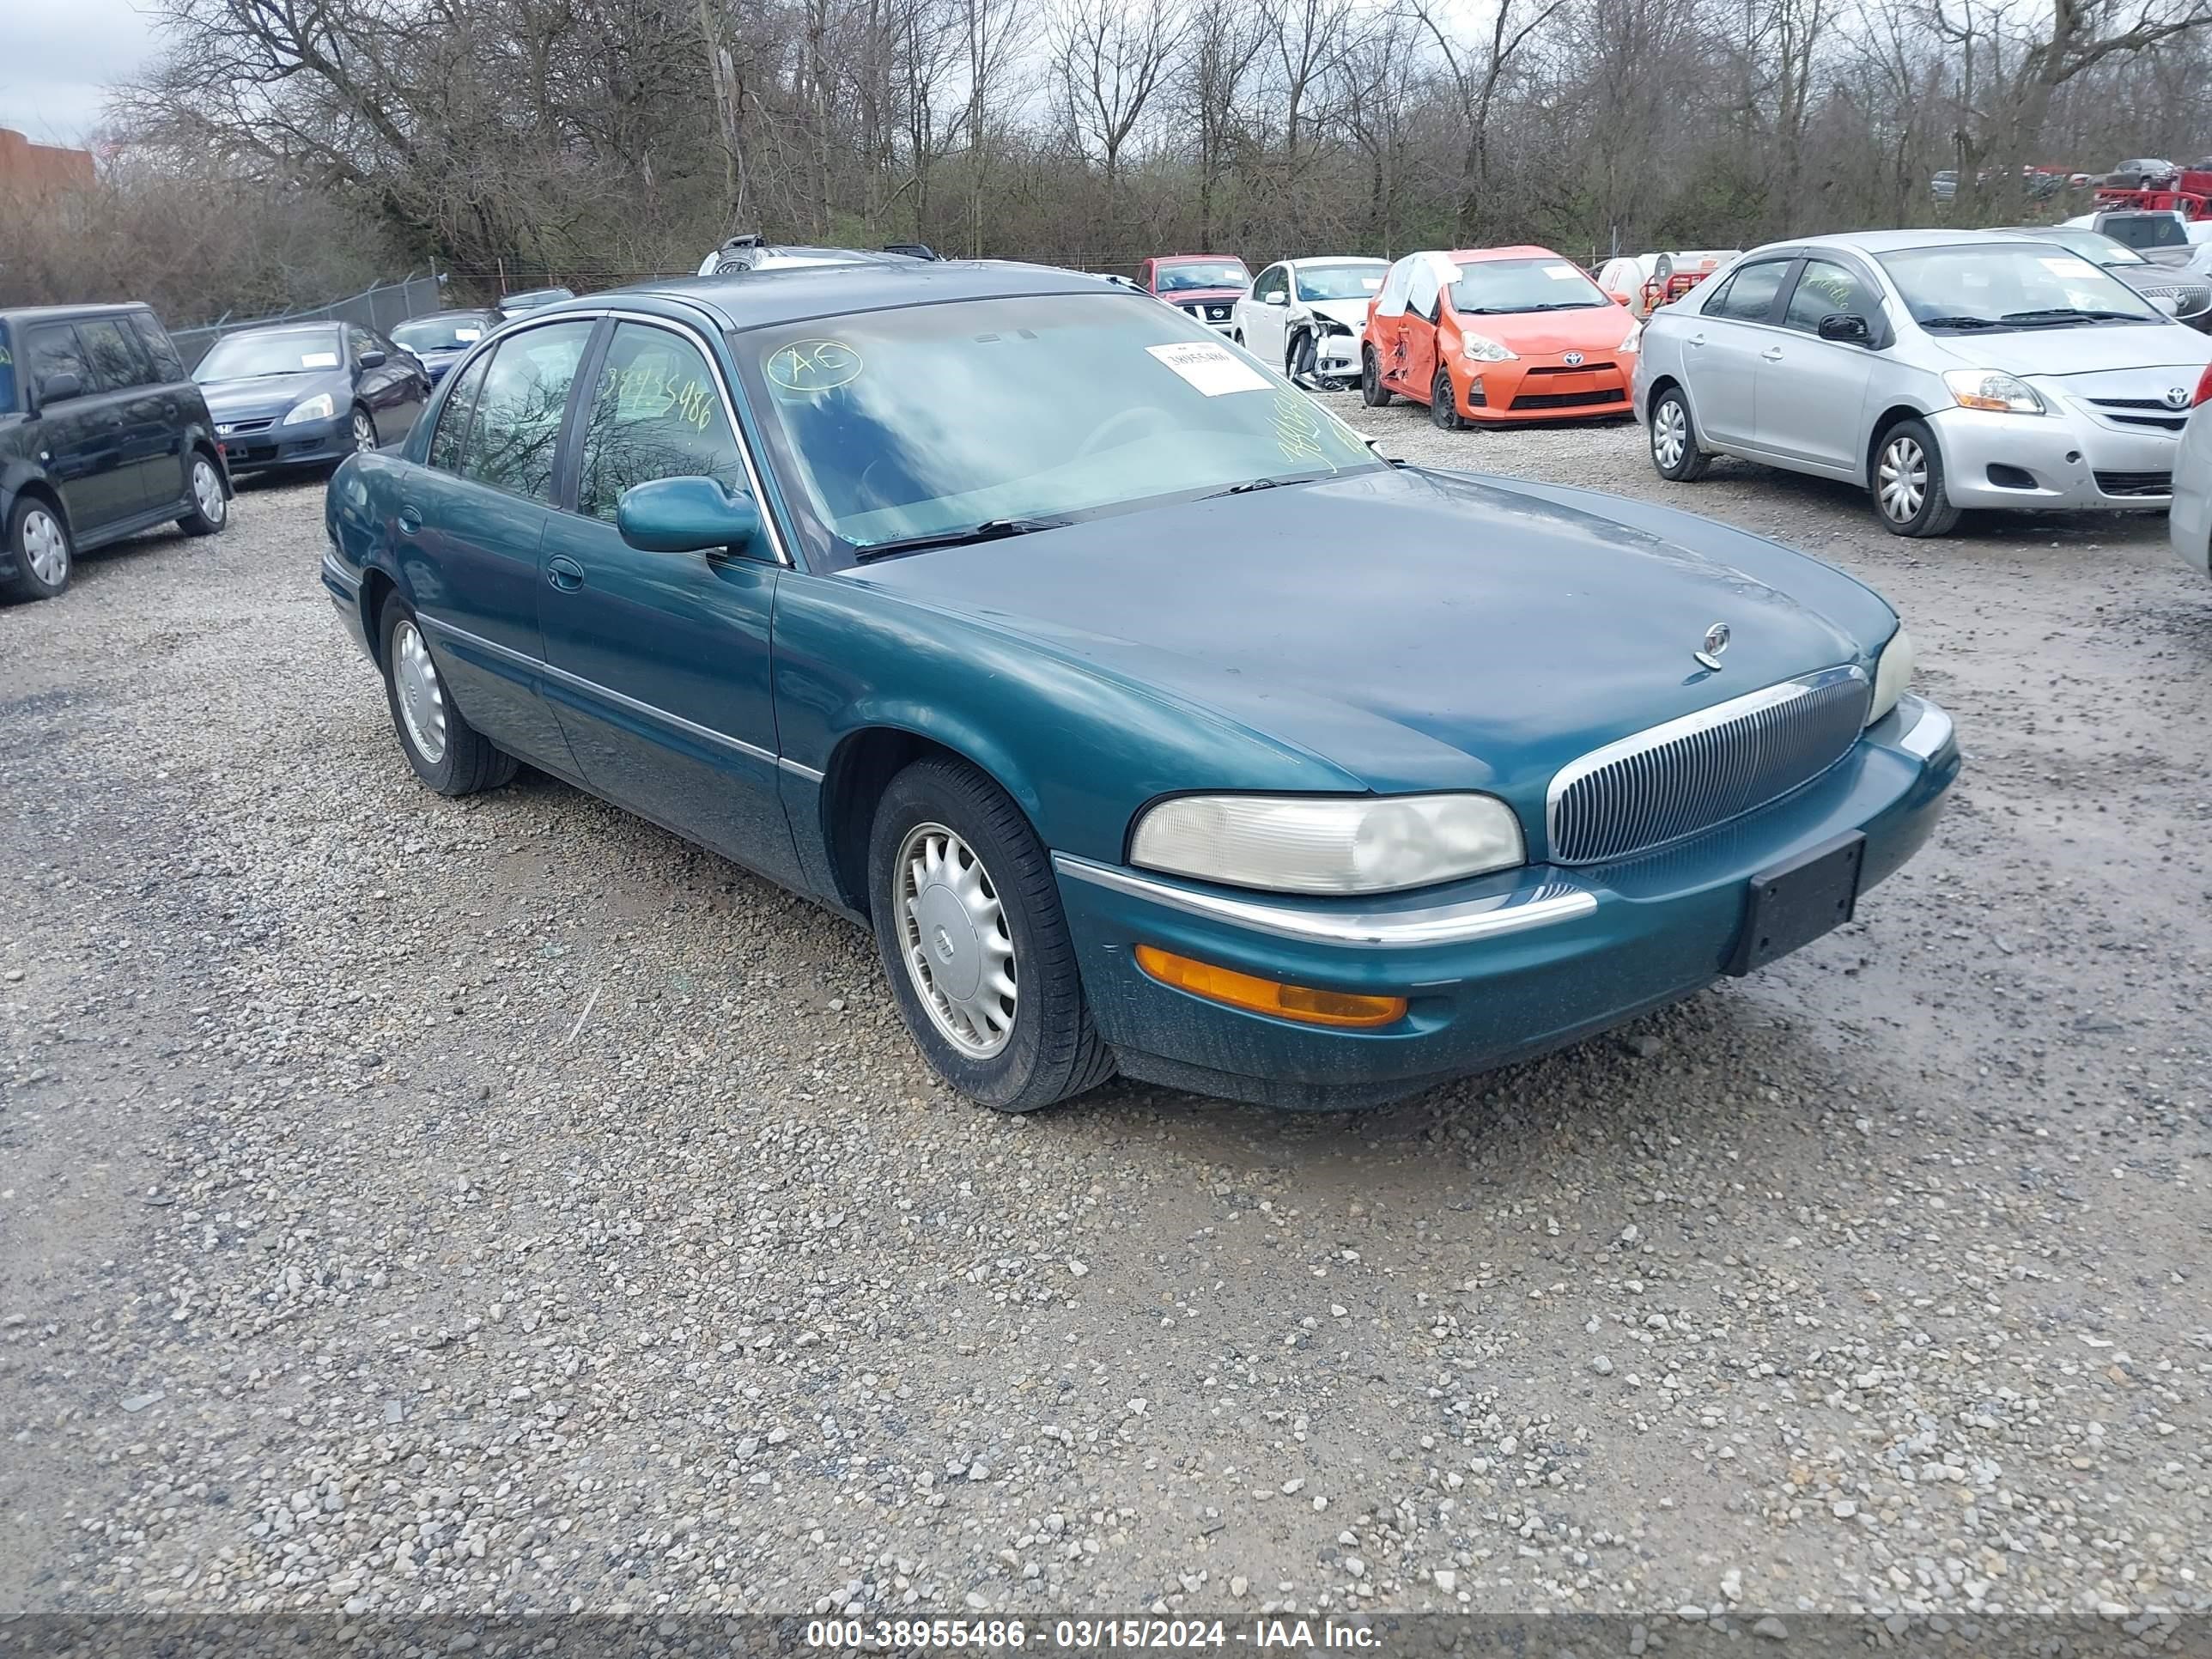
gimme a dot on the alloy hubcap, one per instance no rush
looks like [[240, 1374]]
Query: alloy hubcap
[[364, 434], [952, 933], [45, 548], [1901, 481], [422, 698], [207, 491], [1669, 434]]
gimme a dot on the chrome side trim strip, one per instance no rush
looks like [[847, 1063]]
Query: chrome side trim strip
[[798, 768], [1442, 924], [1929, 731], [576, 682]]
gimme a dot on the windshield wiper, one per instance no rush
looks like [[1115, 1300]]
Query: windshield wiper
[[1251, 484], [2060, 315], [991, 530], [1961, 322]]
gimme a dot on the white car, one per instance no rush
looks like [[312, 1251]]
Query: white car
[[1306, 315], [752, 253], [2189, 522]]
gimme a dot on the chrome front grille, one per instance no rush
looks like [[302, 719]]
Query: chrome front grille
[[1691, 774]]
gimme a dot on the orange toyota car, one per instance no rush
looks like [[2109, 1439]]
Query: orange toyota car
[[1498, 334]]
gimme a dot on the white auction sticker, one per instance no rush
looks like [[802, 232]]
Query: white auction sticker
[[2067, 266], [1212, 369], [468, 334], [319, 359], [1561, 273]]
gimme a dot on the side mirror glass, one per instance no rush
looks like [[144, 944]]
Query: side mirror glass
[[686, 515], [59, 387], [1845, 329], [372, 359]]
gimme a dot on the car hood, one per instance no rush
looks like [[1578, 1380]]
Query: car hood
[[2048, 353], [1417, 629], [270, 396], [1352, 314], [1542, 333]]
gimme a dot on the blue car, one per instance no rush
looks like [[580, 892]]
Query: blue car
[[444, 338], [305, 394], [1149, 720]]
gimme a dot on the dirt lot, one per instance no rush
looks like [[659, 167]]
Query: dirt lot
[[412, 1205]]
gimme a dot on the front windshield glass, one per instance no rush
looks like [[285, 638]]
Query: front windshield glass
[[448, 334], [2093, 245], [2146, 230], [271, 352], [1964, 286], [936, 419], [1340, 282], [1188, 274], [7, 371], [1489, 286]]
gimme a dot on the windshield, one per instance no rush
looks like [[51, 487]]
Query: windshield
[[447, 333], [7, 372], [2092, 244], [271, 352], [2146, 230], [1500, 285], [1340, 282], [1181, 278], [1970, 285], [935, 419]]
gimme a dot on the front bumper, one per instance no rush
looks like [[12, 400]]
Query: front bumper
[[2065, 462], [1336, 357], [310, 443], [1546, 388], [1495, 970]]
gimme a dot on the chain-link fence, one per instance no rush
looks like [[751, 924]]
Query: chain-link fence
[[377, 307]]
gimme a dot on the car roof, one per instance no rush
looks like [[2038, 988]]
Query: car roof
[[763, 299], [69, 314], [304, 325], [1178, 258], [1885, 241], [1466, 256], [1338, 259]]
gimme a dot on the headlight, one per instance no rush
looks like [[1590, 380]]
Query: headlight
[[1328, 844], [321, 407], [1634, 337], [1484, 349], [1892, 673], [1990, 389]]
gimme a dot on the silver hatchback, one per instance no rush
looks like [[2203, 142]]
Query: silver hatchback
[[1939, 370]]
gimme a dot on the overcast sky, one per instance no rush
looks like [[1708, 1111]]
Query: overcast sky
[[61, 56]]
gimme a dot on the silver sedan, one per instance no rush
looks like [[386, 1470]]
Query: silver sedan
[[1938, 370]]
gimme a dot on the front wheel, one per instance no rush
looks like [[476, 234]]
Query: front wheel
[[1372, 392], [210, 501], [364, 430], [40, 542], [969, 921], [1908, 489], [447, 753], [1674, 452], [1443, 403]]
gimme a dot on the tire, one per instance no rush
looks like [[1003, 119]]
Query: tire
[[1237, 338], [1372, 392], [466, 762], [364, 430], [984, 869], [39, 539], [1674, 452], [1444, 404], [210, 497], [1907, 487]]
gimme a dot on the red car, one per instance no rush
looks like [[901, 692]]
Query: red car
[[1496, 334], [1207, 285]]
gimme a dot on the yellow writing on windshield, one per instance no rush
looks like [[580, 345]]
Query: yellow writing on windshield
[[649, 390], [1297, 430], [813, 365]]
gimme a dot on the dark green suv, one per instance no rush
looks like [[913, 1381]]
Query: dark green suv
[[102, 435]]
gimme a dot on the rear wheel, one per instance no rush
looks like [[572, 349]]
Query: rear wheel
[[447, 753], [1908, 489], [1443, 403], [969, 922], [40, 543], [210, 501], [1675, 451], [1372, 392]]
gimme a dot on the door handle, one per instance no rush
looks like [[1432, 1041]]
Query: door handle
[[1772, 354], [410, 519], [1697, 339], [564, 573]]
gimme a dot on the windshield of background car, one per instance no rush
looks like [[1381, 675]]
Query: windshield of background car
[[441, 333], [1182, 277], [7, 371], [2094, 246], [1340, 282], [276, 351], [937, 418], [1964, 286], [1501, 285], [531, 298], [2146, 230]]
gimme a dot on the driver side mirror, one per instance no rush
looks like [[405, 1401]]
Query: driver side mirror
[[1845, 329], [686, 515], [59, 387], [1275, 297], [372, 359]]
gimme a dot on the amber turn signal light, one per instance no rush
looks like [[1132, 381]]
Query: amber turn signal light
[[1267, 996]]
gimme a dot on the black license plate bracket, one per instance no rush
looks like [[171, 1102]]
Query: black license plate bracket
[[1792, 904]]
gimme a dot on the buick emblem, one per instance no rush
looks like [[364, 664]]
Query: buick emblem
[[1717, 639], [1572, 359], [2176, 397]]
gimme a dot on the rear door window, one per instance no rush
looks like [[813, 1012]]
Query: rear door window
[[450, 440], [515, 435], [161, 350]]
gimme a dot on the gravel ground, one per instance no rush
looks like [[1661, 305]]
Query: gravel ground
[[420, 1206]]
